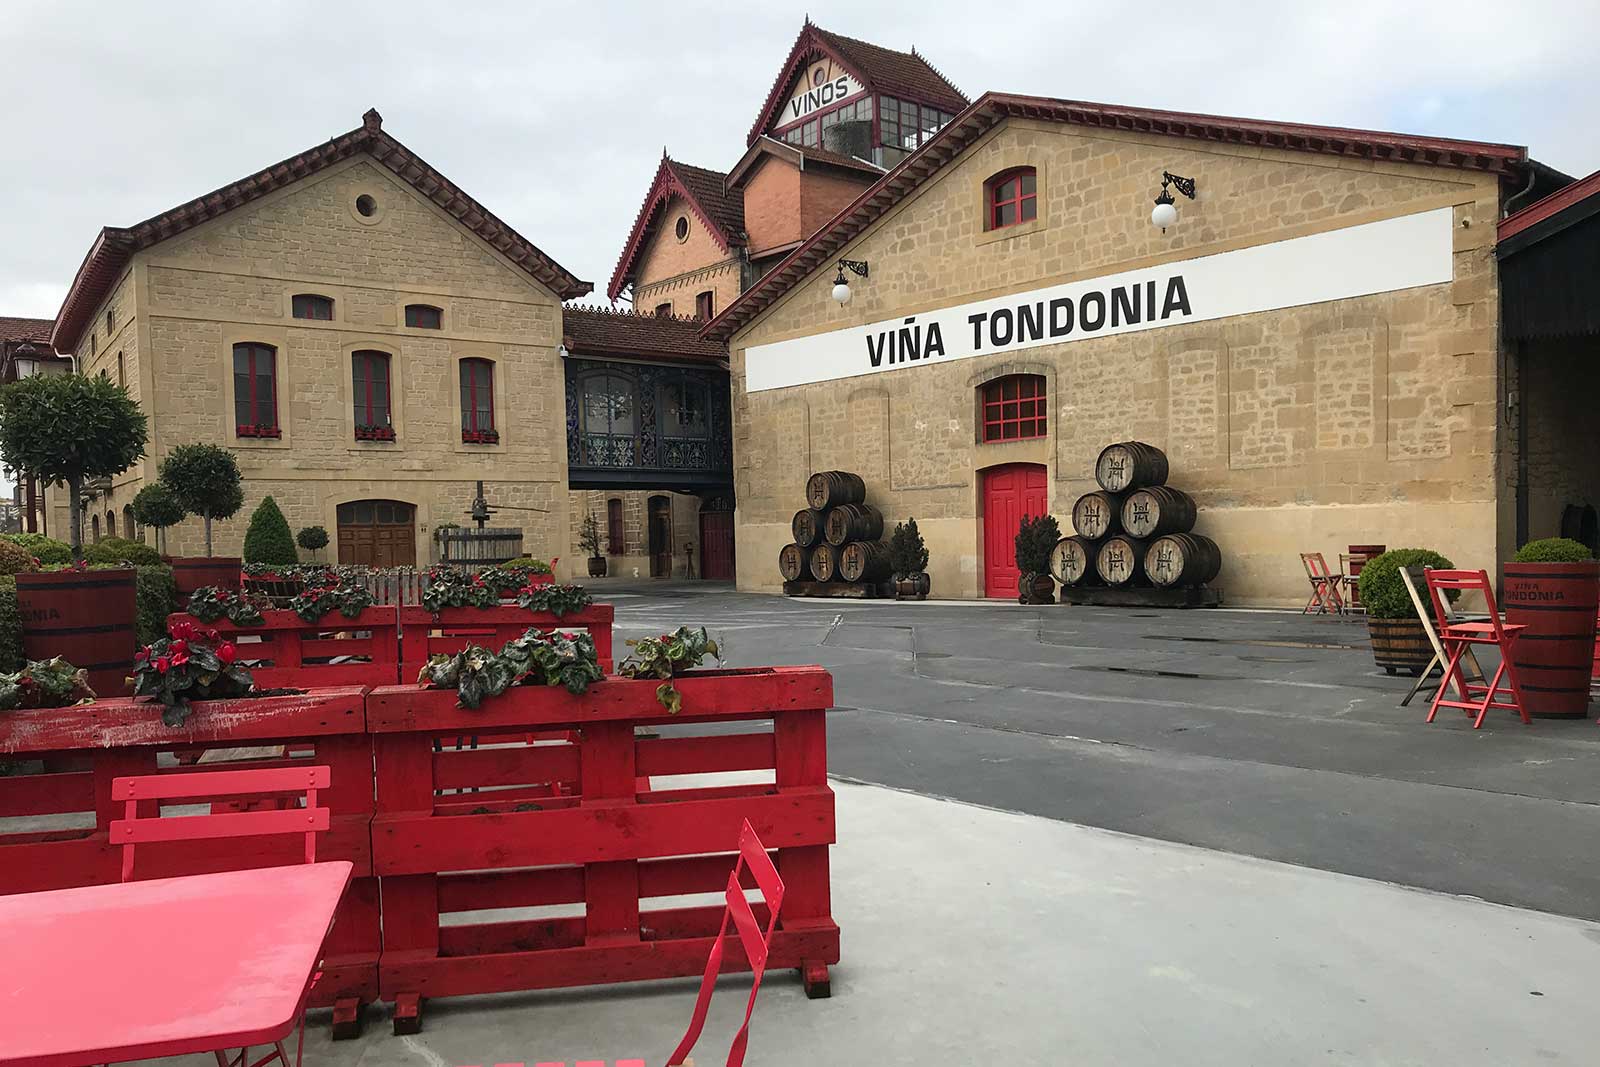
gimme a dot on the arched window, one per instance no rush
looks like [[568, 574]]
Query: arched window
[[1014, 408], [477, 402], [255, 390], [424, 317], [370, 389], [95, 522], [614, 533], [1010, 197], [608, 408], [129, 530], [311, 306]]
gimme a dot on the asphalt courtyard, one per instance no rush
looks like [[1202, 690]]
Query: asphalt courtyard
[[1265, 734]]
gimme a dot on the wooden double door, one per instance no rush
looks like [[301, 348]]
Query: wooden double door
[[378, 533], [1009, 493]]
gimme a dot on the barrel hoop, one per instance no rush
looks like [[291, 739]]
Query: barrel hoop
[[1584, 638], [102, 583], [1580, 666], [109, 628], [1586, 575], [1557, 688], [1587, 609]]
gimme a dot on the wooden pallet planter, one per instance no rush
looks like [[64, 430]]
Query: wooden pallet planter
[[424, 634], [335, 651], [113, 738], [604, 855]]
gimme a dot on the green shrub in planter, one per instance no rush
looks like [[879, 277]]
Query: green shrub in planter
[[114, 550], [908, 553], [1383, 592], [312, 538], [46, 550], [157, 594], [526, 565], [10, 627], [268, 539], [1554, 550], [14, 559], [1035, 538]]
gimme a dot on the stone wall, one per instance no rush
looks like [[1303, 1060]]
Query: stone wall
[[1309, 428], [635, 549]]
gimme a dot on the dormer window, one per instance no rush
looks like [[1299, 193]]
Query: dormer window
[[311, 306], [1010, 198]]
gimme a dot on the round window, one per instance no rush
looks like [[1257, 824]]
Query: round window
[[682, 228], [366, 206]]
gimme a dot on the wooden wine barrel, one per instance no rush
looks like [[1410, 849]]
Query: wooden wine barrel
[[1097, 514], [1072, 561], [1158, 510], [794, 563], [1555, 654], [852, 522], [86, 617], [1400, 644], [864, 561], [1130, 465], [1182, 559], [824, 562], [1120, 559], [192, 572], [829, 489], [806, 527]]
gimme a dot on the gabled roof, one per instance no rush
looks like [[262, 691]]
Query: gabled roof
[[595, 331], [882, 69], [993, 108], [115, 245], [708, 197], [1554, 213], [34, 331], [765, 146]]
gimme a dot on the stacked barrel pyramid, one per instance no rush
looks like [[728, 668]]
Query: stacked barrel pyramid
[[838, 536], [1135, 529]]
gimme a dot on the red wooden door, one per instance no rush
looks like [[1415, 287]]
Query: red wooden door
[[1009, 493], [716, 545]]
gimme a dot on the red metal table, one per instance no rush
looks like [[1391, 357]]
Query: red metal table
[[134, 970]]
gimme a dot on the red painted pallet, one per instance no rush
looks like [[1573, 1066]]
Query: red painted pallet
[[297, 654], [605, 854], [115, 738], [424, 633]]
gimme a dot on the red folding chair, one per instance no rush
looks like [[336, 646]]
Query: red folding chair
[[756, 943], [131, 830], [1325, 598], [1459, 637]]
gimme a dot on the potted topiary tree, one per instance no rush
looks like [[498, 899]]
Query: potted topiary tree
[[589, 541], [908, 560], [205, 481], [1551, 589], [1399, 643], [313, 539], [1035, 538], [155, 506]]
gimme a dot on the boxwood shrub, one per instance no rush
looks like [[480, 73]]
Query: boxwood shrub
[[1383, 592], [1554, 550], [114, 550], [46, 550]]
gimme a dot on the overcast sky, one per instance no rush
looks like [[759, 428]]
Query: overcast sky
[[554, 116]]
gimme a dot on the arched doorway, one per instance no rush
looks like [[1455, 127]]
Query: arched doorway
[[1008, 493], [378, 533], [660, 512]]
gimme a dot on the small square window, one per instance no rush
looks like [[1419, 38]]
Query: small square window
[[311, 306], [424, 317]]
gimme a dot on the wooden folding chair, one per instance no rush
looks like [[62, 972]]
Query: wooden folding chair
[[152, 789], [1473, 672], [1458, 636], [1325, 598]]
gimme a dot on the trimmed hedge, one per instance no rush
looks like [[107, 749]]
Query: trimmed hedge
[[114, 550], [1554, 550], [268, 539], [14, 559], [1383, 593], [10, 627], [47, 550]]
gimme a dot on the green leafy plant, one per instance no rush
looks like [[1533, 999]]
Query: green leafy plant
[[10, 627], [1035, 538], [210, 603], [907, 553], [558, 600], [47, 550], [450, 588], [205, 481], [14, 559], [189, 664], [70, 427], [115, 550], [1554, 550], [1383, 592], [667, 657], [156, 592], [53, 683], [535, 658], [268, 539], [315, 602], [589, 535], [312, 538], [155, 506], [527, 565]]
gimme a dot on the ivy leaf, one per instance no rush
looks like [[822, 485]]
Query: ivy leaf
[[667, 696]]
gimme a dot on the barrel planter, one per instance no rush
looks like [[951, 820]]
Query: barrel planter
[[830, 489], [1072, 561], [1400, 645], [912, 587], [1182, 559], [1130, 465], [824, 562], [1554, 655], [1158, 510], [864, 561], [89, 618], [806, 526], [1120, 560], [794, 563], [852, 522], [1097, 514], [193, 572], [1036, 587]]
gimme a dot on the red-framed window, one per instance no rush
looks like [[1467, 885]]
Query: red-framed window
[[1014, 408], [370, 388], [614, 527], [255, 390], [705, 305], [424, 317], [311, 306], [1011, 198], [477, 402]]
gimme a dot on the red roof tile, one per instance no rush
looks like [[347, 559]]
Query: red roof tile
[[115, 245], [36, 331], [993, 108], [881, 69], [602, 332], [768, 146], [708, 196], [1552, 205]]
